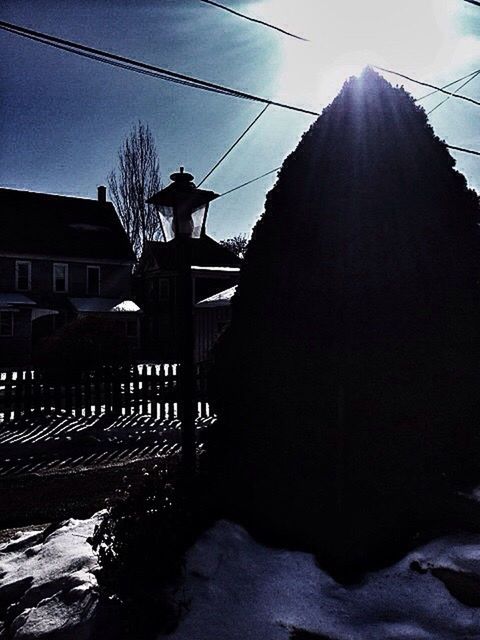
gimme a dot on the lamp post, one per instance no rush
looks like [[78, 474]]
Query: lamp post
[[183, 209]]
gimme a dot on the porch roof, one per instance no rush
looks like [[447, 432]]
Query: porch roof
[[220, 299], [15, 300], [104, 305]]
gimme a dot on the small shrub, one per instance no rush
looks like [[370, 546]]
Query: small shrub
[[81, 345], [141, 544]]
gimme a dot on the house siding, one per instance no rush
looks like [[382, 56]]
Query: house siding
[[16, 350], [115, 279]]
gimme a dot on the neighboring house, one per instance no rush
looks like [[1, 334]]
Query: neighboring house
[[60, 258], [214, 269], [212, 315]]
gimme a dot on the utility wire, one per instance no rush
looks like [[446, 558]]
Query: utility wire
[[449, 97], [172, 76], [240, 186], [142, 67], [445, 86], [427, 84], [473, 2], [232, 147], [265, 24], [475, 153]]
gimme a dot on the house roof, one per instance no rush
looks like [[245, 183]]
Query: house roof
[[50, 225], [220, 299], [205, 252]]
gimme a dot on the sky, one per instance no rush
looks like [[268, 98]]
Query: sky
[[63, 118]]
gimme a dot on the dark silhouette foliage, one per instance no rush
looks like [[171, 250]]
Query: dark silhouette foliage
[[237, 244], [141, 544], [347, 381], [82, 345]]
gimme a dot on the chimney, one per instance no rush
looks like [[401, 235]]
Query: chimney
[[102, 193]]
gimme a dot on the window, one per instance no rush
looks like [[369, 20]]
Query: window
[[23, 275], [93, 281], [131, 328], [6, 324], [60, 277]]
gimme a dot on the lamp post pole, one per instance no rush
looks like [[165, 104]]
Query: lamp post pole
[[182, 209], [186, 343]]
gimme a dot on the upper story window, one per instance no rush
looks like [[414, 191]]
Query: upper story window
[[60, 277], [6, 324], [23, 275], [93, 281]]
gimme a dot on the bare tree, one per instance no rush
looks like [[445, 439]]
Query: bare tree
[[237, 244], [136, 178]]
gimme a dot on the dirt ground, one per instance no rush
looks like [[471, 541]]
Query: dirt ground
[[37, 499]]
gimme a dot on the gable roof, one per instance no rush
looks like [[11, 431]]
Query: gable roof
[[205, 252], [50, 225]]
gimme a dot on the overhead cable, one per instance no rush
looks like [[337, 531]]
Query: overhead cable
[[142, 67], [427, 84], [249, 182], [240, 186], [172, 76], [449, 97], [265, 24], [445, 86], [232, 147]]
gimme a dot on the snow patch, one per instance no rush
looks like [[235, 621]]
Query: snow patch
[[241, 590], [47, 585]]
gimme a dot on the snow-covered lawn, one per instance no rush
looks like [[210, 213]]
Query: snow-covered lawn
[[48, 584], [240, 590]]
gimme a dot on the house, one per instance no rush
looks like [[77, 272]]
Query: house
[[215, 268], [212, 315], [61, 258]]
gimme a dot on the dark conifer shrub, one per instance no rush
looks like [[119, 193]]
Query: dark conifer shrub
[[347, 383], [141, 544]]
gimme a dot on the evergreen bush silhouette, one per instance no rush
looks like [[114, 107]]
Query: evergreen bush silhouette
[[347, 382]]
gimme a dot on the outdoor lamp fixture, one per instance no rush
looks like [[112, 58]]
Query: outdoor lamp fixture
[[182, 207]]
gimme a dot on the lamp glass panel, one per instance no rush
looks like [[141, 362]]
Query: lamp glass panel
[[190, 222], [197, 219], [167, 221]]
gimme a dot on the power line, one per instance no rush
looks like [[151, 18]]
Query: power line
[[240, 186], [173, 76], [142, 67], [232, 147], [249, 182], [265, 24], [475, 153], [473, 2], [450, 146], [427, 84], [445, 86], [449, 97]]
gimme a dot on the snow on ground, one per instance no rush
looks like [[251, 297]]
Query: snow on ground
[[46, 582], [240, 590]]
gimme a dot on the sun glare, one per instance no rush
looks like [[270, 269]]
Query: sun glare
[[414, 36]]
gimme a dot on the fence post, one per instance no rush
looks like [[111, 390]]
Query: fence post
[[8, 395], [17, 397], [87, 383]]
